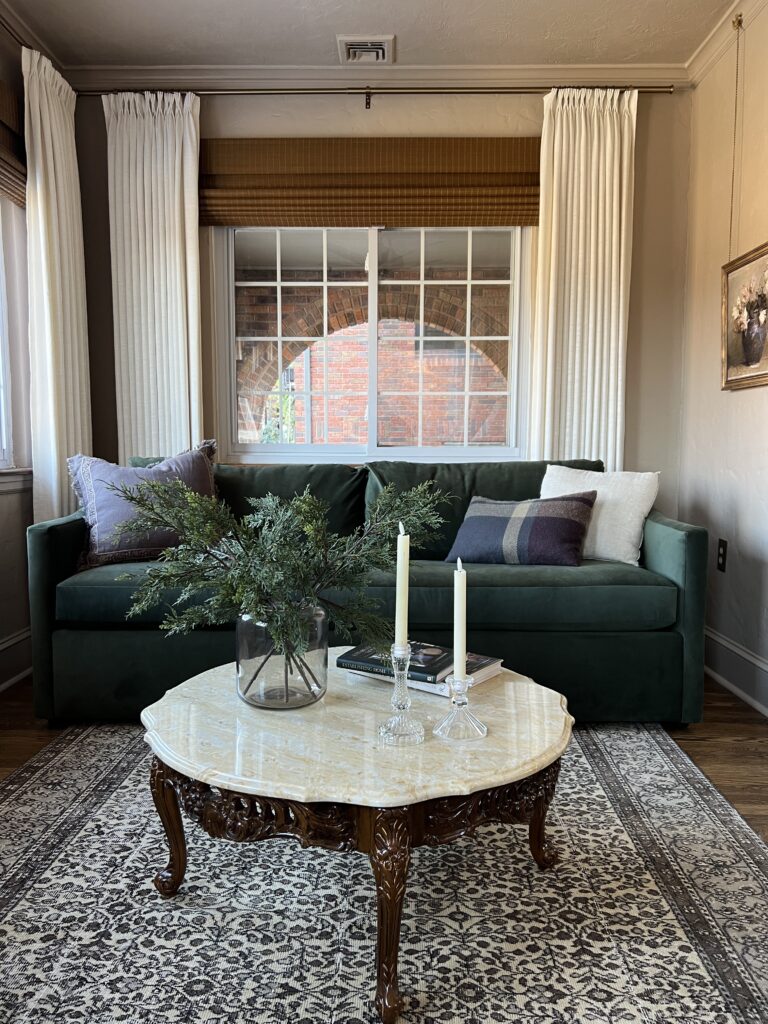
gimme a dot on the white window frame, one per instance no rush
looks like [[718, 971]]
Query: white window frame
[[225, 382]]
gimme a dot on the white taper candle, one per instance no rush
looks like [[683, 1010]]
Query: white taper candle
[[459, 621], [401, 592]]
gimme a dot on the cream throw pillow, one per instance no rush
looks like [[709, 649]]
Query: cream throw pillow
[[623, 502]]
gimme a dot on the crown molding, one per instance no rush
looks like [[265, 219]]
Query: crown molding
[[721, 39], [232, 78], [21, 33]]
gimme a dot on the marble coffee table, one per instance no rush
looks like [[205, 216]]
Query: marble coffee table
[[321, 775]]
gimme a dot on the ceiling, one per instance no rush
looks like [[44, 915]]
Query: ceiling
[[430, 33]]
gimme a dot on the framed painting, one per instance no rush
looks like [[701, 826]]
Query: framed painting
[[745, 320]]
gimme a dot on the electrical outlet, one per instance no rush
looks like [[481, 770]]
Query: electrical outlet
[[722, 554]]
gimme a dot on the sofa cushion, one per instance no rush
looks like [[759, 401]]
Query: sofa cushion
[[461, 481], [342, 487], [99, 595], [598, 596]]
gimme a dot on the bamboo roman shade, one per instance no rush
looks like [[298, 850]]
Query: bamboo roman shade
[[359, 182], [13, 173]]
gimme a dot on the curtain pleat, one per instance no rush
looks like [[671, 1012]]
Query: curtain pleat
[[60, 404], [152, 154], [584, 258], [356, 182]]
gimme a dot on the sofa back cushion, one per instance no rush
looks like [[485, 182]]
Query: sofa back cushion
[[341, 487], [502, 481]]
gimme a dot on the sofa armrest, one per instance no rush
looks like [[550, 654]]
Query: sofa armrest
[[54, 549], [679, 552]]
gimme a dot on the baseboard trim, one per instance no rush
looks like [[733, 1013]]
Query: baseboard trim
[[737, 648], [728, 685], [15, 638], [15, 679]]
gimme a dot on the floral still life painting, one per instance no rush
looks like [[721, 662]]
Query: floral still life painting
[[745, 320]]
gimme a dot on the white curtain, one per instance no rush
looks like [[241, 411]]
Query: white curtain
[[582, 281], [153, 145], [60, 405]]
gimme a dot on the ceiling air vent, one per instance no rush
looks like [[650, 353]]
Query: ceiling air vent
[[366, 49]]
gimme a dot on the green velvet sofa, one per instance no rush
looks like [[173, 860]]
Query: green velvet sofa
[[623, 643]]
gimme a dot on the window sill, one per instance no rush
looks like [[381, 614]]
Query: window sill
[[13, 481]]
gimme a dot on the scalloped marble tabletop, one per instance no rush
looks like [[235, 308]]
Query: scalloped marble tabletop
[[330, 751]]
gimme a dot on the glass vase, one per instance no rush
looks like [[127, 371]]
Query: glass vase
[[279, 681]]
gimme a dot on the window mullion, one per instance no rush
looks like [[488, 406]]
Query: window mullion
[[325, 336], [279, 276], [422, 328], [468, 331], [373, 339]]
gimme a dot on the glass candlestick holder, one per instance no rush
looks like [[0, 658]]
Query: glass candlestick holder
[[401, 728], [460, 723]]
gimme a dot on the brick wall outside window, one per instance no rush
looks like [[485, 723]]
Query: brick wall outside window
[[338, 362]]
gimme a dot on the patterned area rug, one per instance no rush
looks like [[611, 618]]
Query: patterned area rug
[[657, 913]]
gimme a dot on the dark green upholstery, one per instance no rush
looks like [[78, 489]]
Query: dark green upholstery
[[609, 596], [342, 487], [623, 643], [594, 596], [502, 481]]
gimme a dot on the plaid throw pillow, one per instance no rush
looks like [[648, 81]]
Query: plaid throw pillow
[[541, 531]]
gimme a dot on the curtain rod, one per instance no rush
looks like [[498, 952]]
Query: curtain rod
[[393, 90]]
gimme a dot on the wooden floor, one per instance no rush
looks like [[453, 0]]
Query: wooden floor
[[730, 746]]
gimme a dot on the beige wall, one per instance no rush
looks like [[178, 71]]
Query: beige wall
[[724, 467]]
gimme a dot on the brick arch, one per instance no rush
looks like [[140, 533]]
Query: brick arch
[[303, 319]]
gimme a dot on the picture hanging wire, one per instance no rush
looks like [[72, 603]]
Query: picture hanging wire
[[738, 24]]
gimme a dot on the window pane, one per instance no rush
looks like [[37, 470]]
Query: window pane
[[445, 255], [443, 419], [347, 252], [488, 419], [255, 312], [301, 255], [256, 255], [444, 364], [297, 432], [348, 309], [399, 309], [347, 355], [257, 367], [302, 312], [398, 368], [490, 309], [490, 255], [258, 418], [398, 420], [316, 419], [488, 365], [302, 419], [302, 365], [348, 419], [445, 310], [400, 255]]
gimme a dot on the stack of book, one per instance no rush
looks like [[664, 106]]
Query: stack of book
[[429, 669]]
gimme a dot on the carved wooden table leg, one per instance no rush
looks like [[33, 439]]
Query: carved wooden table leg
[[390, 856], [544, 853], [166, 800]]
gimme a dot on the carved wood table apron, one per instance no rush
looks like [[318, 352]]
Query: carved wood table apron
[[320, 775]]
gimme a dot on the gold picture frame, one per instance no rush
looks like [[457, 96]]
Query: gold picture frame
[[744, 351]]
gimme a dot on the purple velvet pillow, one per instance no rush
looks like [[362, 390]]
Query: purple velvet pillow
[[105, 511], [540, 531]]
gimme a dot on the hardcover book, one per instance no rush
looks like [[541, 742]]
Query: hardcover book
[[430, 666]]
